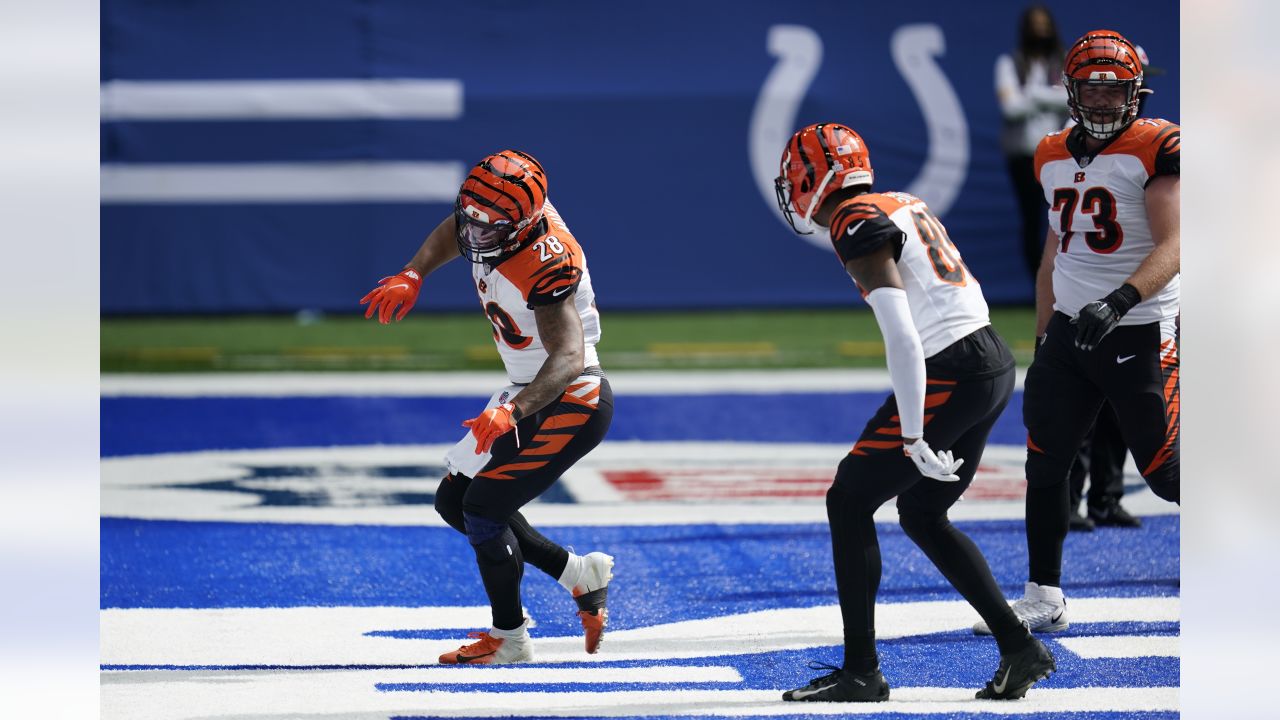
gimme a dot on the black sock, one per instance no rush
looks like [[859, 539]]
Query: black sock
[[1010, 634], [860, 654], [1047, 509], [501, 568], [856, 552]]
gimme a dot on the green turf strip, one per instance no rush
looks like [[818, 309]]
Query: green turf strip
[[424, 341]]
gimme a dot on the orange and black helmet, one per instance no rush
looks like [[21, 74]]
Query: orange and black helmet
[[1103, 58], [817, 161], [499, 204]]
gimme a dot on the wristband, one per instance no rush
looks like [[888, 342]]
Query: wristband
[[1122, 299]]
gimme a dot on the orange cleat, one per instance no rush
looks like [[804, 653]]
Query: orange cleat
[[592, 593], [491, 650], [593, 622]]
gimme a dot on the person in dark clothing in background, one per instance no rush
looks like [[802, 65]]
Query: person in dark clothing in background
[[1033, 103]]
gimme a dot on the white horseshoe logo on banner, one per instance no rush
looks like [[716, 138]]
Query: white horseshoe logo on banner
[[915, 49]]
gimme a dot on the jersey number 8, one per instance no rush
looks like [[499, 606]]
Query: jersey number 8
[[942, 253]]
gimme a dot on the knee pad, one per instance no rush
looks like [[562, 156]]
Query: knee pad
[[481, 529], [1044, 471], [493, 542]]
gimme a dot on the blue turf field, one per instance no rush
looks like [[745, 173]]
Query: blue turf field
[[666, 573]]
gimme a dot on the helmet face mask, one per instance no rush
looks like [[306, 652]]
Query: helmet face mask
[[479, 239], [817, 161], [1103, 114], [499, 203], [1103, 77]]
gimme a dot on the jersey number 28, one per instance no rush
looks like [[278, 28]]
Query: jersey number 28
[[505, 327]]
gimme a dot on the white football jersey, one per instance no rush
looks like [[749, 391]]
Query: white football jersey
[[545, 271], [945, 298], [1097, 207]]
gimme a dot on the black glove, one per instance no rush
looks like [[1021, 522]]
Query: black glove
[[1101, 316]]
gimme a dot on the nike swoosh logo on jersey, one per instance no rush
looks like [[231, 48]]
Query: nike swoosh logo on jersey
[[558, 293], [1000, 686], [469, 658], [854, 229], [801, 694], [1122, 360]]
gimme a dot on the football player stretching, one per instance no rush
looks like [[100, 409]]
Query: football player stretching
[[531, 278], [952, 376]]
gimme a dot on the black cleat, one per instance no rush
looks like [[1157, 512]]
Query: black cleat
[[1112, 514], [1079, 523], [841, 686], [1018, 672]]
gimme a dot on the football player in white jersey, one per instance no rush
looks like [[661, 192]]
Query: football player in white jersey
[[1106, 301], [532, 281], [952, 376]]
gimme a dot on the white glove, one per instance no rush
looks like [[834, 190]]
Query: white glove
[[940, 466]]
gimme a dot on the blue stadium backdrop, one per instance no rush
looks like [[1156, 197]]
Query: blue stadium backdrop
[[275, 155]]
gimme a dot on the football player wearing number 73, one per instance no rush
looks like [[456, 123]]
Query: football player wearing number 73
[[952, 376], [1107, 302], [531, 278]]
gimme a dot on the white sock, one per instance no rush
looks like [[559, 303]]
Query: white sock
[[516, 634], [1047, 593], [572, 572], [1052, 594]]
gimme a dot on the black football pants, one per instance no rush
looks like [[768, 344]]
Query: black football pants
[[959, 415], [1135, 369]]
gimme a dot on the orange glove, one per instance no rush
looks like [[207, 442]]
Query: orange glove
[[491, 425], [393, 291]]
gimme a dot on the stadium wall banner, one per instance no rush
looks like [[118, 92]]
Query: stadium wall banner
[[281, 155]]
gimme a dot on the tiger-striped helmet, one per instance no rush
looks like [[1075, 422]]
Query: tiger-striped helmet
[[1100, 60], [817, 161], [499, 204]]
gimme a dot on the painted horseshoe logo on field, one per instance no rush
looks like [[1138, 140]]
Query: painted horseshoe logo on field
[[915, 49]]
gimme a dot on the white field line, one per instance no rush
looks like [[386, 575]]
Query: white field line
[[303, 182], [352, 695], [515, 675], [1129, 646], [466, 384], [342, 636], [282, 99]]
